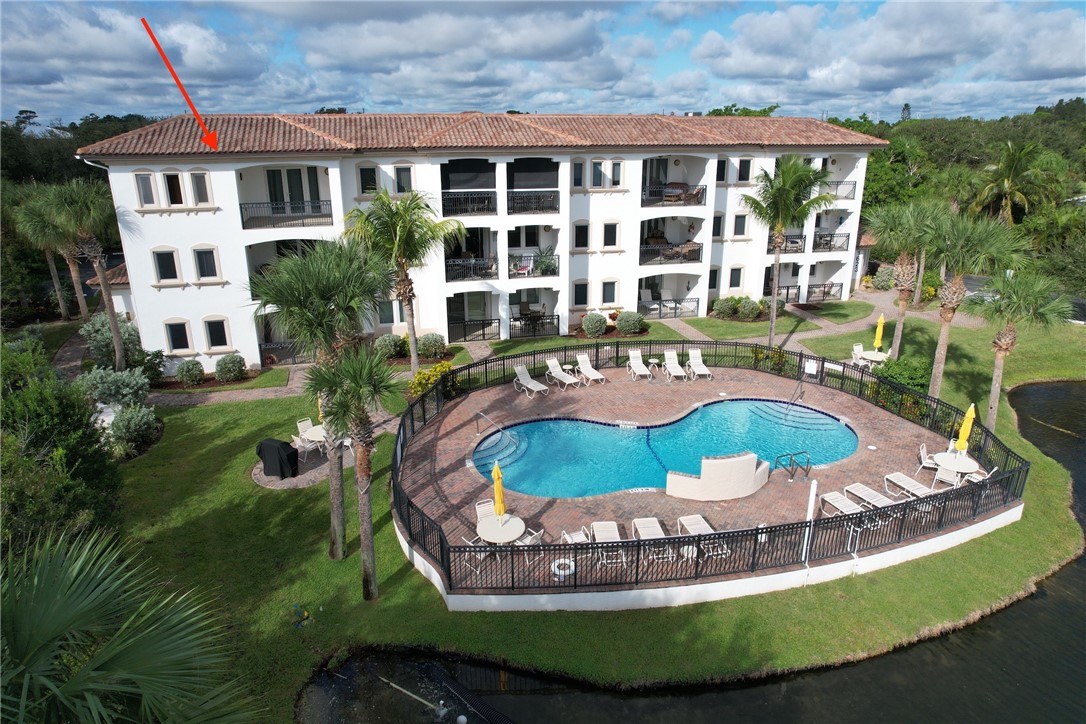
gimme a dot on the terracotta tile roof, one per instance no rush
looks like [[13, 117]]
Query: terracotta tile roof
[[274, 133], [117, 276]]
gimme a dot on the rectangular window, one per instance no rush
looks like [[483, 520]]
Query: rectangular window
[[146, 189], [177, 335], [578, 174], [367, 180], [531, 236], [718, 227], [744, 170], [740, 225], [200, 194], [514, 238], [597, 174], [173, 189], [713, 274], [205, 264], [609, 292], [166, 266], [216, 333], [735, 277], [610, 234], [795, 270], [721, 171], [384, 312], [580, 294], [403, 179], [616, 173], [580, 236]]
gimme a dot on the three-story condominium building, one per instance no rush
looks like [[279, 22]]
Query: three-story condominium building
[[565, 214]]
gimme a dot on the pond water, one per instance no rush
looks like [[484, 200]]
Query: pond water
[[1025, 663]]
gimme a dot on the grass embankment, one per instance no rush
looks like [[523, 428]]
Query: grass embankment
[[274, 377], [787, 323], [841, 312], [204, 523], [658, 331]]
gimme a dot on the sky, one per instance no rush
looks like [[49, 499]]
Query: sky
[[816, 59]]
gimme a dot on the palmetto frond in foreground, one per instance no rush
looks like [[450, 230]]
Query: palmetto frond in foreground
[[91, 635]]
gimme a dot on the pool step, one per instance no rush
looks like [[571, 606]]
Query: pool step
[[504, 448], [793, 416]]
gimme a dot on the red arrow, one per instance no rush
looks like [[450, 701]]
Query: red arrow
[[211, 138]]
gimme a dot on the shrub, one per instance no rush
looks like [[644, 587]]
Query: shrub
[[133, 430], [153, 364], [727, 306], [425, 378], [594, 325], [630, 323], [912, 372], [930, 285], [116, 389], [431, 346], [190, 373], [230, 368], [884, 279], [749, 310], [764, 303], [390, 345], [100, 341]]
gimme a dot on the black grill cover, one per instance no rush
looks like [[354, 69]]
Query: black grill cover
[[279, 458]]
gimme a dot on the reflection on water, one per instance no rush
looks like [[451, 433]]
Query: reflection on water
[[1022, 664]]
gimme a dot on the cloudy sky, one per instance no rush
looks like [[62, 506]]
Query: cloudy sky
[[65, 60]]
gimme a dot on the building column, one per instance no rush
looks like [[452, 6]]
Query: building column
[[503, 315]]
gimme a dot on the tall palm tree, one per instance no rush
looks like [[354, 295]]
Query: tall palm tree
[[323, 297], [1015, 182], [403, 232], [784, 200], [36, 221], [968, 245], [353, 387], [12, 196], [90, 634], [957, 185], [1022, 299], [892, 225]]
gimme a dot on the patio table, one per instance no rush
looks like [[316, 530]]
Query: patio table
[[872, 355], [314, 434], [500, 529]]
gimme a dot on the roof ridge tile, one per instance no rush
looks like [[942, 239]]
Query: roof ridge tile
[[315, 131]]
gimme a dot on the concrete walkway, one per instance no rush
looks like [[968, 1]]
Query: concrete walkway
[[69, 358]]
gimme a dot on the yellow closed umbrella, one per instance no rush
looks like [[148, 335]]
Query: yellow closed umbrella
[[499, 492], [878, 331], [967, 427]]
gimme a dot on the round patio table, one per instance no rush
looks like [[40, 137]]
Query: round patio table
[[961, 464], [509, 530]]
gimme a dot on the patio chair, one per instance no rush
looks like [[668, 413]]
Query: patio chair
[[649, 530], [926, 461], [606, 531], [485, 509], [577, 536], [906, 486], [524, 383], [672, 368], [534, 538], [697, 366], [587, 371], [479, 551], [947, 477], [857, 350], [839, 502], [697, 525], [559, 376], [303, 446], [636, 366], [667, 300], [304, 424], [647, 302], [980, 475]]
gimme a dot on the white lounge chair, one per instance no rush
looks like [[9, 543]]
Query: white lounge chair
[[636, 366], [906, 486], [667, 299], [303, 446], [649, 529], [672, 368], [697, 366], [647, 302], [607, 532], [926, 461], [696, 525], [867, 496], [559, 376], [587, 371], [524, 383], [839, 502]]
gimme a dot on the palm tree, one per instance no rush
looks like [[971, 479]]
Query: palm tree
[[353, 387], [403, 232], [893, 227], [36, 220], [782, 201], [968, 245], [1015, 182], [957, 185], [12, 197], [89, 634], [1026, 298], [323, 297]]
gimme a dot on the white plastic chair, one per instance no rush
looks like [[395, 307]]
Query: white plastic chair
[[559, 376], [636, 366], [697, 366], [980, 475], [304, 424], [534, 538], [587, 371], [303, 446], [927, 462], [479, 552], [672, 368], [524, 383]]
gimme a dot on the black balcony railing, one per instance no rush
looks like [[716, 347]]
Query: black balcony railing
[[668, 308], [751, 550], [840, 189], [671, 253], [282, 353], [535, 325], [280, 214], [823, 292], [544, 264], [466, 269], [830, 241], [474, 330], [788, 295], [542, 201], [793, 244], [673, 194], [469, 203]]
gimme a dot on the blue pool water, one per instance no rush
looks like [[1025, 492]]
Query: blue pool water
[[575, 458]]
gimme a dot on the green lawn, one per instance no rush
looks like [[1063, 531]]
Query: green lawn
[[658, 331], [841, 312], [192, 506], [55, 334], [274, 377], [730, 329]]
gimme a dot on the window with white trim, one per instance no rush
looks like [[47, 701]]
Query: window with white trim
[[714, 275], [598, 178], [578, 174], [718, 226], [580, 236], [367, 180], [722, 170], [735, 277], [206, 261], [610, 234], [403, 179], [167, 268], [739, 228], [580, 294], [744, 171], [616, 174], [174, 197], [609, 292], [217, 333], [145, 189], [387, 309], [201, 188], [178, 338]]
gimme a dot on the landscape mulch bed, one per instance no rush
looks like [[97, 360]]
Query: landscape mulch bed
[[209, 384]]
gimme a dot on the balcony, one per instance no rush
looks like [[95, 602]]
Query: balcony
[[469, 203], [283, 214], [823, 292], [535, 325], [668, 308], [544, 264], [673, 194], [543, 201], [474, 330], [468, 269], [793, 244], [671, 253], [840, 189], [830, 241]]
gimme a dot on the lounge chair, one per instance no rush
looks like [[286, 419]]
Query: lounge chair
[[587, 371], [647, 302], [607, 532], [906, 486], [867, 496], [667, 299], [980, 475], [926, 461], [841, 503], [636, 366], [696, 525], [524, 383], [559, 376], [303, 446], [649, 529], [696, 366], [534, 538], [672, 368]]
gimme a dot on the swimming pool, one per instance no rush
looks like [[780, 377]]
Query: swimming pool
[[574, 458]]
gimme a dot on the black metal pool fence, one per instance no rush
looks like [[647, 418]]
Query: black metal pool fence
[[528, 569]]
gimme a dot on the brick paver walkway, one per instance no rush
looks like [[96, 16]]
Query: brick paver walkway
[[686, 330]]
